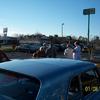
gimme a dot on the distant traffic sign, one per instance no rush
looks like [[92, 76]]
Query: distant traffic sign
[[89, 11], [5, 30]]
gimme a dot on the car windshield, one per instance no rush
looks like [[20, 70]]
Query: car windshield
[[18, 87]]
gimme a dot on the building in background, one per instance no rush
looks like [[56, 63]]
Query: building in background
[[8, 40]]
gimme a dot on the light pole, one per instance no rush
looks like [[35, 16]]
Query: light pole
[[62, 29], [88, 12]]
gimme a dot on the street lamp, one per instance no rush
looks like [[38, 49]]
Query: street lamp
[[88, 12], [62, 29]]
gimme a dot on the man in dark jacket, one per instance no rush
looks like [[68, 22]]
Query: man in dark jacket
[[51, 51]]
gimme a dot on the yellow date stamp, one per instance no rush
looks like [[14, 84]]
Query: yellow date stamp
[[92, 88]]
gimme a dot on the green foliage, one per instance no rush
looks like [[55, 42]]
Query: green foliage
[[7, 49]]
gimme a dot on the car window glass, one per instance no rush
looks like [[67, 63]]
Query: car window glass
[[18, 87], [90, 82], [84, 84], [74, 89]]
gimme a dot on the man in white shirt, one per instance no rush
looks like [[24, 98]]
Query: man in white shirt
[[68, 53]]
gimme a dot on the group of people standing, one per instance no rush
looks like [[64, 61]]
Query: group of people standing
[[51, 52], [45, 51], [73, 53]]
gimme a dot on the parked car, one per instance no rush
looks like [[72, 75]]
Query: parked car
[[3, 57], [49, 79], [34, 47], [63, 47], [85, 49], [22, 47], [28, 47], [57, 47], [96, 56], [60, 47]]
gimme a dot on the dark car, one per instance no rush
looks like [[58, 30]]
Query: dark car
[[60, 47], [49, 79], [28, 47], [22, 47]]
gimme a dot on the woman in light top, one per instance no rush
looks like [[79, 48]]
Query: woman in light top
[[77, 51]]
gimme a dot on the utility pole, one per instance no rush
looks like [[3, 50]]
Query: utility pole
[[62, 29], [88, 28], [89, 12]]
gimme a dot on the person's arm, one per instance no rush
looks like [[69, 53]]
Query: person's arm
[[65, 52]]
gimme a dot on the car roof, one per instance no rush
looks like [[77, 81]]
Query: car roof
[[46, 68]]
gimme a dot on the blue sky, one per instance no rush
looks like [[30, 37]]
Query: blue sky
[[46, 16]]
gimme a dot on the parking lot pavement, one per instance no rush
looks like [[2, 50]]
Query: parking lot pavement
[[19, 55]]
